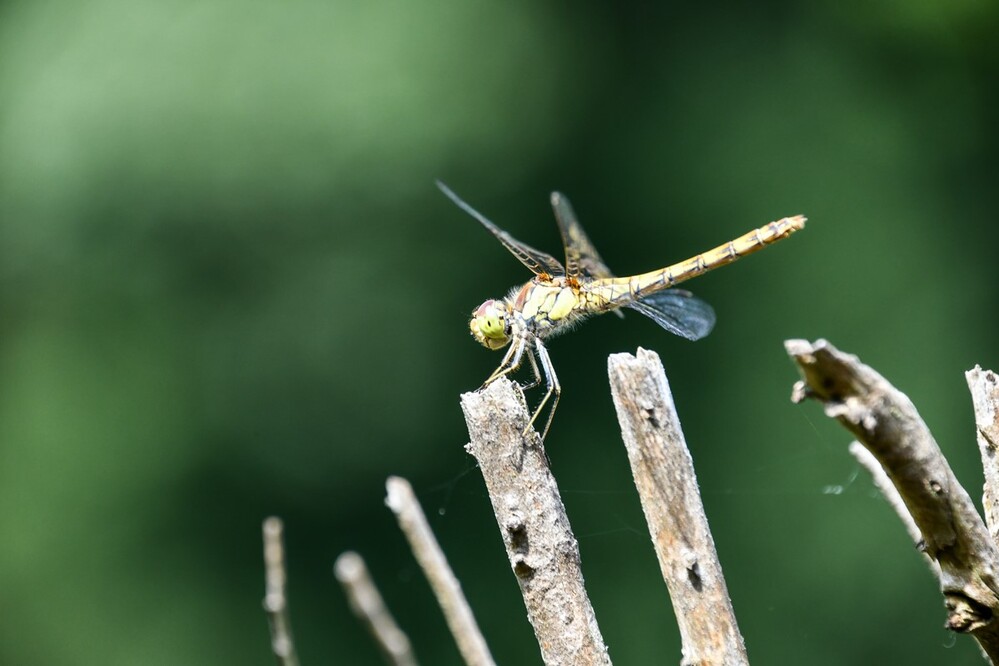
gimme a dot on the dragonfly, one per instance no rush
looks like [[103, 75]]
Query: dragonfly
[[560, 296]]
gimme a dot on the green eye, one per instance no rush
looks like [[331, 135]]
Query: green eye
[[492, 327]]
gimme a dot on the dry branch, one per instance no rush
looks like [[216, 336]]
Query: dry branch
[[413, 522], [276, 599], [984, 387], [369, 607], [885, 421], [667, 486], [542, 551]]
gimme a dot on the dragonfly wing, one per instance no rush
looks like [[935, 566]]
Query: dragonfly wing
[[678, 311], [580, 255], [539, 262]]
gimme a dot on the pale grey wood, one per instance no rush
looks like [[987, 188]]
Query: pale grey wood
[[458, 614], [667, 486], [276, 598], [541, 548], [367, 603], [984, 386], [885, 421]]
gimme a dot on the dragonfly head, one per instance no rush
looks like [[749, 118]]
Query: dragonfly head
[[490, 324]]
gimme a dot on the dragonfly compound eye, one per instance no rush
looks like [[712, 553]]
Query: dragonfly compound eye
[[488, 325]]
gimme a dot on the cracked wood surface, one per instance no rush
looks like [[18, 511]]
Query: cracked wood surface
[[664, 475], [542, 550]]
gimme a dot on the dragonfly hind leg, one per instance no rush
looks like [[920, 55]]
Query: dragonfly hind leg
[[535, 371], [554, 389]]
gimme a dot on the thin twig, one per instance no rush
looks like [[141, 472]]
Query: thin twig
[[369, 607], [885, 421], [413, 522], [542, 551], [667, 486], [984, 386], [890, 493], [276, 600]]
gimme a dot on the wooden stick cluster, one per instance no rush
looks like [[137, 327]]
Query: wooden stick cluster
[[365, 600], [892, 443], [542, 550]]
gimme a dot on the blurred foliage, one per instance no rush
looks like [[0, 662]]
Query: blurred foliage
[[229, 289]]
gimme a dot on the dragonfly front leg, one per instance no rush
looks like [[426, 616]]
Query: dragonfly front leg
[[553, 388], [510, 362]]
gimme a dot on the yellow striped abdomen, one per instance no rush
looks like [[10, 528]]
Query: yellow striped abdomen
[[605, 294]]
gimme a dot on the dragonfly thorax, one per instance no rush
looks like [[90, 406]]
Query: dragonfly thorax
[[490, 324]]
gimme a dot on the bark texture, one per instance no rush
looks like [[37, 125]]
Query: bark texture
[[542, 550], [664, 475], [984, 386]]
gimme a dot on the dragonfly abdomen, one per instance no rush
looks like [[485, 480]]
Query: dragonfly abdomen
[[624, 290]]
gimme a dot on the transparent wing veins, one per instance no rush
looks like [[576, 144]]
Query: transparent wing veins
[[581, 257], [539, 262], [678, 311]]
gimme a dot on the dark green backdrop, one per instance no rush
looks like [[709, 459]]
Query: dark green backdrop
[[230, 289]]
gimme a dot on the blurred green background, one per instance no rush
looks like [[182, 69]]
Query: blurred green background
[[230, 289]]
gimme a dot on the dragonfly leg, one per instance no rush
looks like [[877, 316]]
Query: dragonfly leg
[[510, 362], [553, 388], [537, 374]]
